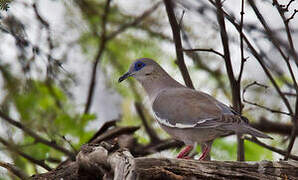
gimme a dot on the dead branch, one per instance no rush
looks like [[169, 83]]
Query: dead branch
[[102, 162], [115, 132], [103, 129]]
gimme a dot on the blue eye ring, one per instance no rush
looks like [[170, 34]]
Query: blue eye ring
[[139, 65]]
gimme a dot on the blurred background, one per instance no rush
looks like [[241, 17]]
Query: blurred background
[[60, 62]]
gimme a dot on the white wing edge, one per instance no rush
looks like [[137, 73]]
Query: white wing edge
[[179, 125]]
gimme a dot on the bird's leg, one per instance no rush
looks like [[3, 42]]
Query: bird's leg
[[206, 151], [185, 151]]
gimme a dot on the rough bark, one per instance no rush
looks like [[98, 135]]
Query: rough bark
[[105, 161]]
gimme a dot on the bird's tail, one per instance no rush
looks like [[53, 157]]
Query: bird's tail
[[254, 132]]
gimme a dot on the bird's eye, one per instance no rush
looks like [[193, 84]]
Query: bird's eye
[[139, 65]]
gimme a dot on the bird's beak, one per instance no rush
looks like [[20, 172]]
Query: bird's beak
[[125, 76]]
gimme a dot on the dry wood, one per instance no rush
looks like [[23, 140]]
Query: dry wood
[[102, 162]]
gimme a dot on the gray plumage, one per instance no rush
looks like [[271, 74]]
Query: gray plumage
[[187, 115]]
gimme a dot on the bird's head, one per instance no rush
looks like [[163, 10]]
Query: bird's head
[[141, 69]]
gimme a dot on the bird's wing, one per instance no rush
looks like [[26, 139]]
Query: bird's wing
[[187, 108]]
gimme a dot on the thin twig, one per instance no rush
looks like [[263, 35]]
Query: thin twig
[[241, 43], [292, 16], [135, 22], [295, 56], [102, 44], [107, 37], [37, 138], [289, 36], [181, 19], [273, 38], [14, 170], [103, 129], [198, 61], [260, 59], [12, 147], [255, 83], [115, 132], [204, 50], [177, 39], [288, 5], [290, 94]]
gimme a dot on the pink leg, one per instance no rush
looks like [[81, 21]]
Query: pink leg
[[184, 152], [205, 153]]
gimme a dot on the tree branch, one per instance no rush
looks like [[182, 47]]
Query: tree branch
[[97, 58], [26, 156], [205, 50], [258, 105], [235, 85], [135, 22], [267, 126], [36, 136], [178, 44], [103, 129], [14, 170], [241, 43], [102, 162], [289, 36], [295, 56]]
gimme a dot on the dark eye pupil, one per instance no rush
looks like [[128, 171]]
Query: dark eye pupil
[[139, 65]]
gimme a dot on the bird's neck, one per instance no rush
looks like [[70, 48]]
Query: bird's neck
[[157, 83]]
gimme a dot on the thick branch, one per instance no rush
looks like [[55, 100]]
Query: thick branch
[[175, 169], [102, 162]]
